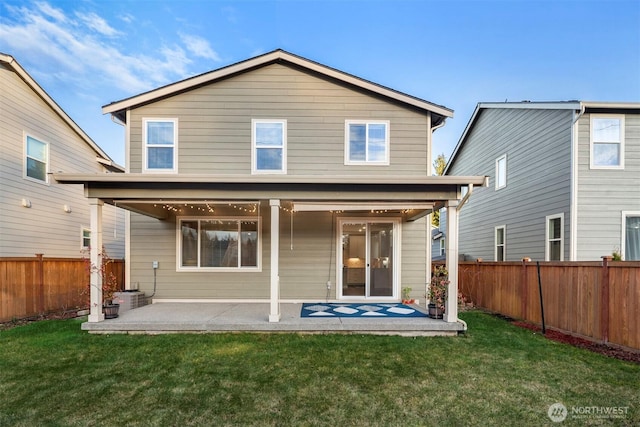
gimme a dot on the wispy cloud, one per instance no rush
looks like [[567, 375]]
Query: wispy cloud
[[98, 24], [199, 47], [85, 48]]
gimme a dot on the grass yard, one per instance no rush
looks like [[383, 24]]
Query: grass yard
[[51, 373]]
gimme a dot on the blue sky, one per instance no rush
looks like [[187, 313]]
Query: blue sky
[[88, 53]]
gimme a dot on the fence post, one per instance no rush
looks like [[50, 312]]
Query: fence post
[[524, 288], [604, 298], [40, 284]]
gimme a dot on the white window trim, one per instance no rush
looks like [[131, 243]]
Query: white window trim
[[82, 230], [24, 159], [498, 186], [254, 148], [239, 269], [623, 236], [145, 146], [547, 254], [443, 247], [495, 242], [347, 159], [591, 141]]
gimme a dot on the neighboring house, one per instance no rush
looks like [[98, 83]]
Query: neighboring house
[[564, 181], [277, 179], [37, 138], [439, 238]]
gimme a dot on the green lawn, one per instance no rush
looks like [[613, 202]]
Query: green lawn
[[51, 373]]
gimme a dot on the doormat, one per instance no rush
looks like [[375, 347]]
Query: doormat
[[366, 310]]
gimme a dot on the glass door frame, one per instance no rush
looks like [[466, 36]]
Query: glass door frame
[[396, 222]]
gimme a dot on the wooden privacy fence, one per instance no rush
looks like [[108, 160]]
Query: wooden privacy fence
[[33, 286], [600, 300]]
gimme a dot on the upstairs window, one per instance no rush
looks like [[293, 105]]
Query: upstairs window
[[269, 146], [554, 250], [160, 138], [607, 142], [366, 142], [36, 159], [501, 172]]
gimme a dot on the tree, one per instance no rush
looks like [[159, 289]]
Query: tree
[[439, 164]]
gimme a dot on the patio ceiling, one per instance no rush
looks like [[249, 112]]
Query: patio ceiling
[[153, 195]]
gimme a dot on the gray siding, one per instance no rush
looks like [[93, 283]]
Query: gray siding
[[215, 125], [307, 260], [45, 227], [538, 148], [604, 194]]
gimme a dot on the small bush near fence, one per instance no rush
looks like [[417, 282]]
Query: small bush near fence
[[599, 300], [34, 286]]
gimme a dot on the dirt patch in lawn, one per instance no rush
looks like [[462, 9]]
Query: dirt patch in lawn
[[58, 315], [607, 350]]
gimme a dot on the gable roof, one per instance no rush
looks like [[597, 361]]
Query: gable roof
[[119, 108], [103, 158], [578, 106]]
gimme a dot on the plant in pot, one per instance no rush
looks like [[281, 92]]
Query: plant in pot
[[406, 298], [109, 284], [438, 292]]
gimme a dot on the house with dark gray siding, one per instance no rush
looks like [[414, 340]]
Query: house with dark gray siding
[[278, 179], [37, 139], [564, 181]]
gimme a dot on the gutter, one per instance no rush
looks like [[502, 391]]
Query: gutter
[[573, 204]]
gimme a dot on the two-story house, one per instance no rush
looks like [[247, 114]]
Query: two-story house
[[37, 138], [277, 179], [565, 181]]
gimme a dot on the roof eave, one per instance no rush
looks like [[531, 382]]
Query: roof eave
[[22, 73], [119, 108]]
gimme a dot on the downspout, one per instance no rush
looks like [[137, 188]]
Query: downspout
[[433, 129], [573, 206], [460, 205]]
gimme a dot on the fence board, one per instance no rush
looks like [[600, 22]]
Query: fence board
[[33, 286], [572, 295]]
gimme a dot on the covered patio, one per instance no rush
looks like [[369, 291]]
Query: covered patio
[[155, 197], [177, 317]]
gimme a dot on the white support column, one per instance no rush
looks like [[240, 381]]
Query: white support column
[[451, 306], [95, 279], [274, 313]]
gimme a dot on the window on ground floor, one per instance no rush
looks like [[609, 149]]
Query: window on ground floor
[[631, 238], [554, 250], [226, 244], [86, 238], [442, 247], [500, 243]]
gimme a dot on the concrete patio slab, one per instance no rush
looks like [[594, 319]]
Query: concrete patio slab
[[253, 317]]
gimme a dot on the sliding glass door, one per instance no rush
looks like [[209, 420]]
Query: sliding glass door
[[367, 258]]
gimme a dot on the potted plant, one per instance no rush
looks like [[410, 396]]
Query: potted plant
[[406, 299], [109, 284], [438, 292]]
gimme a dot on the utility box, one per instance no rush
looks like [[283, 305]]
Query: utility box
[[129, 300]]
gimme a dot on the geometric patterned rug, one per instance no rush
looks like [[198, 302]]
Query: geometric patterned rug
[[365, 310]]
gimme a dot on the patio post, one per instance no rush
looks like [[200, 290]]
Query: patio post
[[451, 307], [274, 312], [95, 279]]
